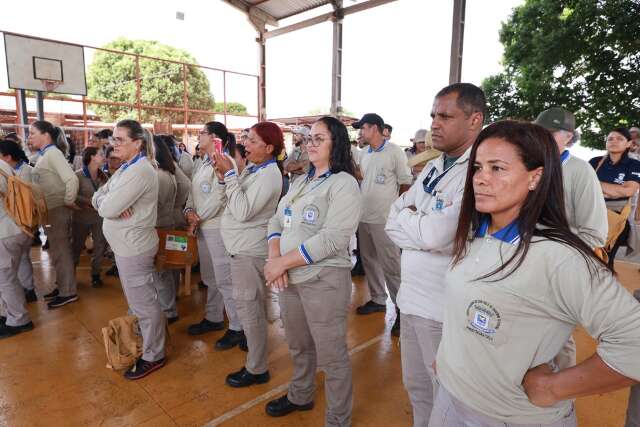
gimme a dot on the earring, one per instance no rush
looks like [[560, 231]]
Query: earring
[[532, 187]]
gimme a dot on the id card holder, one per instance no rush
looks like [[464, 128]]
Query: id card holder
[[288, 217]]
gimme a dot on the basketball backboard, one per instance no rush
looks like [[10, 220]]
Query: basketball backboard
[[43, 65]]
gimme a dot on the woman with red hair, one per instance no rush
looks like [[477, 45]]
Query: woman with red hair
[[252, 198]]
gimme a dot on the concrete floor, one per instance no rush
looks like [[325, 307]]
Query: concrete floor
[[56, 374]]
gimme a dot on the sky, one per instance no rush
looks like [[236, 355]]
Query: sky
[[395, 56]]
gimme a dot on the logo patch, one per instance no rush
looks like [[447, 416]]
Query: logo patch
[[310, 214], [483, 319], [620, 178], [205, 187]]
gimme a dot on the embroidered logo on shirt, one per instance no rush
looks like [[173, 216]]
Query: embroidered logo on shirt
[[310, 214], [620, 178], [205, 187], [483, 319]]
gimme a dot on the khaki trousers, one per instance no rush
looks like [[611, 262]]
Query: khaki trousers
[[215, 271], [633, 409], [249, 290], [314, 314], [419, 342], [381, 262], [450, 412], [11, 293], [59, 234], [139, 277], [25, 269], [80, 233]]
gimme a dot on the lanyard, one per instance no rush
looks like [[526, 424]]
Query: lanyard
[[44, 149], [564, 157], [139, 156], [299, 194], [20, 165], [429, 185]]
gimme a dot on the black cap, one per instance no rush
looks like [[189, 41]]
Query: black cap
[[370, 118]]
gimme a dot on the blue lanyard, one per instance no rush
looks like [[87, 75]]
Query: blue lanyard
[[256, 168], [429, 185], [20, 165], [45, 148], [564, 157], [298, 195], [132, 162]]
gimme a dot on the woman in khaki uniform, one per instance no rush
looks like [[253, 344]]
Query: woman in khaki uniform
[[252, 198], [86, 220], [520, 282], [54, 176], [129, 205], [309, 263]]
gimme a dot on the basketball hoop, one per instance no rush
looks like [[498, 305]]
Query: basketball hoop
[[50, 85]]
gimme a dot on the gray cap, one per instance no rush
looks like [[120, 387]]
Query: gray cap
[[557, 118]]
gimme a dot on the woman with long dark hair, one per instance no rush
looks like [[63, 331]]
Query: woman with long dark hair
[[129, 205], [183, 185], [310, 265], [205, 207], [54, 176], [167, 189], [86, 220], [252, 198], [519, 284], [619, 177]]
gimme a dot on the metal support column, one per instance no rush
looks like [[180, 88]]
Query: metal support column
[[336, 72], [262, 80], [23, 114], [457, 41], [40, 105]]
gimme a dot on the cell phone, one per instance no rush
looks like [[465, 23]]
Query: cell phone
[[218, 143]]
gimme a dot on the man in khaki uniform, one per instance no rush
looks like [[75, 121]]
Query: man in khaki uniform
[[385, 175], [297, 163]]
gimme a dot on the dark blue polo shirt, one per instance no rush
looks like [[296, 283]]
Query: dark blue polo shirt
[[627, 169]]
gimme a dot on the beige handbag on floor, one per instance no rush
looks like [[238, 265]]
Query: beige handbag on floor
[[122, 342]]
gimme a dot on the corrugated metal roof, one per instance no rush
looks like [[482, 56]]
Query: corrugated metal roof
[[281, 9]]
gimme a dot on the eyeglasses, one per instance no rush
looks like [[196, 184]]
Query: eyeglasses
[[316, 141], [204, 132], [119, 141]]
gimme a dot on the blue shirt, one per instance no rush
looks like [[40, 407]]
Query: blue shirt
[[627, 169]]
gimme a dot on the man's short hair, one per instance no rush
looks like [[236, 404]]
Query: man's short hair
[[471, 98], [104, 134], [389, 127]]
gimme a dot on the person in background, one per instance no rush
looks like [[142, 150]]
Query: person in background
[[110, 168], [422, 222], [634, 150], [129, 205], [619, 177], [252, 198], [519, 283], [59, 184], [86, 220], [184, 160], [240, 158], [13, 155], [385, 176], [102, 139], [421, 152], [204, 211], [387, 129], [182, 147], [297, 163], [13, 244], [244, 135], [309, 264], [166, 284], [183, 183]]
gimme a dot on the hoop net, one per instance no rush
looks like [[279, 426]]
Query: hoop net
[[50, 85]]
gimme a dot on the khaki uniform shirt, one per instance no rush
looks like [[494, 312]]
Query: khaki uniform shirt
[[183, 184], [584, 202], [207, 197], [87, 188], [54, 176], [135, 186], [252, 199], [24, 172], [185, 162], [496, 329], [297, 155], [8, 227], [166, 198], [383, 171], [317, 218]]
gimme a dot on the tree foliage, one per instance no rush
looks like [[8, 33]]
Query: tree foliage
[[112, 77], [232, 108], [583, 55]]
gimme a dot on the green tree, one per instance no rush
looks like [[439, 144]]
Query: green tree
[[583, 55], [232, 108], [112, 77]]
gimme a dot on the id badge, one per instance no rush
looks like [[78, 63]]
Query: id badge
[[380, 178], [288, 217]]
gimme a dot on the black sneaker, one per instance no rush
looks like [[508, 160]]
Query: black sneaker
[[142, 368], [3, 320], [113, 271], [202, 285], [243, 345], [371, 307], [205, 326], [172, 320], [30, 295], [395, 330], [51, 295], [7, 331], [58, 302], [283, 406], [244, 378], [96, 281], [230, 339]]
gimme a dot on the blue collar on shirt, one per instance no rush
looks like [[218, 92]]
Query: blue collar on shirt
[[312, 171], [85, 172], [379, 149], [564, 157], [45, 148], [133, 161], [256, 168], [509, 234], [20, 164]]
